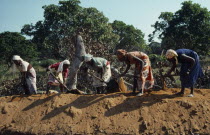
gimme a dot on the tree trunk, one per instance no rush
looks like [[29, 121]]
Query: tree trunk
[[76, 62]]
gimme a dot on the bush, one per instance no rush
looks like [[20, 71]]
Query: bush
[[205, 61], [13, 43], [44, 63], [156, 58]]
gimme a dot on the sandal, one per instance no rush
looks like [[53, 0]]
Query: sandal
[[139, 95], [191, 95]]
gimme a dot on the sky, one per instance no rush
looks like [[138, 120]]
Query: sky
[[139, 13]]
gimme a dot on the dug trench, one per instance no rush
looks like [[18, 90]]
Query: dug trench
[[157, 112]]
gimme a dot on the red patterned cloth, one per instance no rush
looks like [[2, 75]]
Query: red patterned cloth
[[56, 65], [146, 75]]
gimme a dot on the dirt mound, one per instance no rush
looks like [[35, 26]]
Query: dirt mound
[[158, 112]]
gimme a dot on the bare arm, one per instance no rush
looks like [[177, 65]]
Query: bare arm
[[23, 77], [141, 62], [126, 70], [64, 77], [64, 81], [173, 61], [48, 68]]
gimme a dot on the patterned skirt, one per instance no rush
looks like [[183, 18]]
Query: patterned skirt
[[146, 76]]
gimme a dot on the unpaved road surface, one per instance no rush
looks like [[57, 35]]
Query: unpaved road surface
[[157, 112]]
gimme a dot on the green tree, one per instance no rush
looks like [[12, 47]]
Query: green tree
[[155, 48], [130, 37], [54, 35], [189, 28], [13, 43]]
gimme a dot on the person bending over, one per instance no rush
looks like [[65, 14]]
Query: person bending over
[[61, 72], [190, 67], [28, 75], [102, 72], [143, 77]]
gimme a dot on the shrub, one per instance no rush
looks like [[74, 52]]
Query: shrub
[[44, 63]]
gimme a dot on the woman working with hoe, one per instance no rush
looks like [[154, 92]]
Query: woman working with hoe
[[143, 78], [61, 74], [190, 67]]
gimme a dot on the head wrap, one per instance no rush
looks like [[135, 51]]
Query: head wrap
[[171, 54], [14, 66], [87, 57], [16, 57], [121, 53], [60, 67], [67, 62]]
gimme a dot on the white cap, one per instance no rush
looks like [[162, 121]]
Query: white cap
[[66, 62], [16, 57], [87, 57]]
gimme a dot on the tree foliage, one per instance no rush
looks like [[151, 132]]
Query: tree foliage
[[189, 28], [54, 35], [130, 37], [155, 48], [13, 43]]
